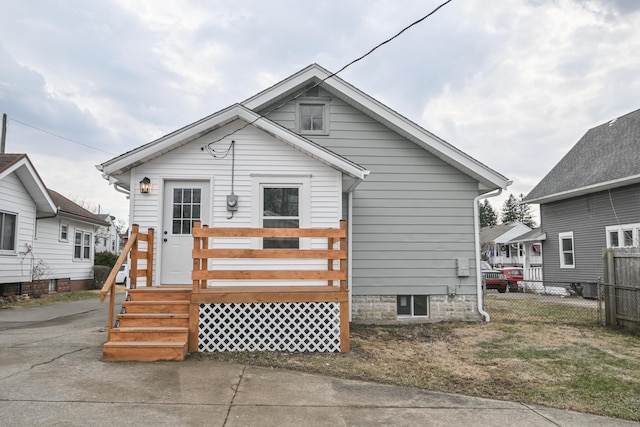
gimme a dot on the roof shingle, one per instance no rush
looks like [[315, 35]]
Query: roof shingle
[[606, 153]]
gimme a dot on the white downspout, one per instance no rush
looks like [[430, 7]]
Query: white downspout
[[350, 250], [476, 229]]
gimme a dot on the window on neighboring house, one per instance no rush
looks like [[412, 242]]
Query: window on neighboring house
[[8, 225], [567, 252], [412, 305], [64, 232], [82, 245], [623, 236], [312, 117], [281, 209]]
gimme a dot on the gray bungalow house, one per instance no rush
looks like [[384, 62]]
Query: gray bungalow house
[[590, 201], [308, 152]]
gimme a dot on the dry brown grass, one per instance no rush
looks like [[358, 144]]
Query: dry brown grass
[[582, 368]]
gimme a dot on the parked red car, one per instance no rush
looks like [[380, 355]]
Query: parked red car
[[513, 275], [493, 279]]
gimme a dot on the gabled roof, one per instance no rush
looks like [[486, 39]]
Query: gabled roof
[[502, 233], [69, 209], [534, 235], [121, 164], [607, 156], [23, 168], [314, 73]]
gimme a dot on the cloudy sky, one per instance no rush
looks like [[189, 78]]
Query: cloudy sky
[[512, 83]]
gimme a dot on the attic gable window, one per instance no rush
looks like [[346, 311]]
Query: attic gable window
[[312, 117]]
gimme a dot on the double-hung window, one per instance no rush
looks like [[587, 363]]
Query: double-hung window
[[567, 250], [281, 209], [282, 201], [82, 245], [64, 232], [8, 227]]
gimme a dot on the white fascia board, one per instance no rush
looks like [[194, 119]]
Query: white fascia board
[[602, 186], [33, 184], [306, 146], [388, 117], [167, 143], [185, 135]]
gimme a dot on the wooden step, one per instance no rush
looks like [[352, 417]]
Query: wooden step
[[156, 306], [153, 319], [144, 351], [149, 334], [158, 293]]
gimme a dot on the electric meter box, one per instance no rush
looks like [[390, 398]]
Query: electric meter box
[[462, 267]]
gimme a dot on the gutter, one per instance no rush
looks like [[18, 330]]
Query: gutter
[[120, 189], [476, 229]]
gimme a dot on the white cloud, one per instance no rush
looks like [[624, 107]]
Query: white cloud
[[514, 84], [547, 81]]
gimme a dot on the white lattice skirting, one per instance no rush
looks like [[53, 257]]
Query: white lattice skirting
[[297, 326]]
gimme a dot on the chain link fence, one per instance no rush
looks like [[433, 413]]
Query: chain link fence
[[549, 302]]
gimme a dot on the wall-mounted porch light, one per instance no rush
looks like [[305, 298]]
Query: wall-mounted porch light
[[145, 185]]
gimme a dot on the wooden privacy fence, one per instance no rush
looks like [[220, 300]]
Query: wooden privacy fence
[[279, 317], [622, 287]]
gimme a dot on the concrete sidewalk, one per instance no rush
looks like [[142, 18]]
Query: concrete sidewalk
[[51, 373]]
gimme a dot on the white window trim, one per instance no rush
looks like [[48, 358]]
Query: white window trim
[[13, 251], [561, 237], [412, 304], [82, 245], [635, 228], [325, 115], [303, 182], [62, 224]]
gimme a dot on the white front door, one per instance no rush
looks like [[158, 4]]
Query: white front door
[[185, 202]]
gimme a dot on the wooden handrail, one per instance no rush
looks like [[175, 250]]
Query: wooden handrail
[[130, 250], [201, 254]]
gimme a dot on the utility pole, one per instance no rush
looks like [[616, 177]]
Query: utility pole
[[4, 133]]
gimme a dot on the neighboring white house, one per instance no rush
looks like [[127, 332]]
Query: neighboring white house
[[307, 152], [46, 239], [23, 198], [107, 238], [497, 247]]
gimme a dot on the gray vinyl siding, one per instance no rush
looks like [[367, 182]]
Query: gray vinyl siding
[[412, 217], [587, 217]]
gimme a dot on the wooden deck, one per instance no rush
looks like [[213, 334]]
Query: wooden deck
[[167, 322]]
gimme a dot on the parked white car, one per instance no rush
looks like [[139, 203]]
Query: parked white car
[[122, 278]]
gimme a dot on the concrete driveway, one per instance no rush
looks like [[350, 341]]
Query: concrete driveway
[[51, 374]]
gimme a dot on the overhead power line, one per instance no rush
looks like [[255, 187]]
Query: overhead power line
[[207, 146], [60, 136]]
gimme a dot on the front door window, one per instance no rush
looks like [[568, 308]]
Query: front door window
[[187, 204]]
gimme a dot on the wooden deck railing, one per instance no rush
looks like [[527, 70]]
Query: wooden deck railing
[[335, 271], [132, 250]]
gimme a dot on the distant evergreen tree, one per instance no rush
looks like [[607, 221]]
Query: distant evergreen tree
[[510, 210], [488, 215], [514, 210], [524, 213]]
